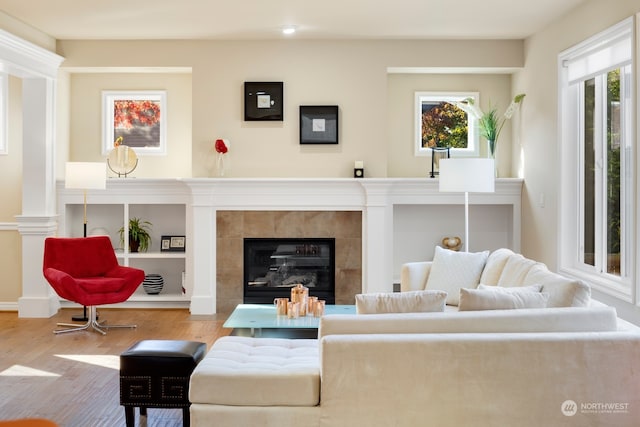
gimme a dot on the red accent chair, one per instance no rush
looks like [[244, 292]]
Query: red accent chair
[[85, 270]]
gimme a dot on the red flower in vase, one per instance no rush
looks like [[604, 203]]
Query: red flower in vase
[[220, 146]]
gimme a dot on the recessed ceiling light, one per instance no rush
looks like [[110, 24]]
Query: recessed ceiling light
[[288, 29]]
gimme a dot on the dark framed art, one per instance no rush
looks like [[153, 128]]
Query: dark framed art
[[172, 244], [318, 124], [263, 101]]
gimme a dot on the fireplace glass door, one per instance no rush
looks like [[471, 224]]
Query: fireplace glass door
[[272, 266]]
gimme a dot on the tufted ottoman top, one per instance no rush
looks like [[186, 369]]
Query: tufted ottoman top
[[258, 372]]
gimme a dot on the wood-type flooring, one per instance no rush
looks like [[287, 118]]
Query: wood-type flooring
[[73, 379]]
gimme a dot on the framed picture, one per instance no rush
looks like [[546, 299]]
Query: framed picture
[[441, 123], [136, 119], [263, 101], [318, 124], [172, 243]]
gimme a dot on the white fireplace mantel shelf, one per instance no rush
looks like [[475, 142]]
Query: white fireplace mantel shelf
[[376, 198]]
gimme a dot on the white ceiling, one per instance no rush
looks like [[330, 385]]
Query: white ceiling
[[263, 19]]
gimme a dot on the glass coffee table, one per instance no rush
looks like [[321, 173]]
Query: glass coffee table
[[260, 320]]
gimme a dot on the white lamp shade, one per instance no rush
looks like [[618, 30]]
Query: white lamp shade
[[467, 175], [85, 175]]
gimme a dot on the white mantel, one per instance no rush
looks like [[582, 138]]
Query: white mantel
[[379, 199], [376, 198]]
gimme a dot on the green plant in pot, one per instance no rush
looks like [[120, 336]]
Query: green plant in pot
[[139, 235]]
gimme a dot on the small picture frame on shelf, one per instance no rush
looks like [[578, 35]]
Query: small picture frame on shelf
[[172, 243], [318, 124], [263, 101]]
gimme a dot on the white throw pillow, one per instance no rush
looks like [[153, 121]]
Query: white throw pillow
[[563, 292], [503, 299], [530, 288], [401, 302], [452, 271]]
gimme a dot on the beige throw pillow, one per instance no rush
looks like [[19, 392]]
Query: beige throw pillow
[[400, 302], [501, 299], [452, 271]]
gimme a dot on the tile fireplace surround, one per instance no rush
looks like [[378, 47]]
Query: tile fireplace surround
[[233, 226], [378, 224]]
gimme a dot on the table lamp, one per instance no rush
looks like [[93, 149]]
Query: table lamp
[[467, 176], [85, 176]]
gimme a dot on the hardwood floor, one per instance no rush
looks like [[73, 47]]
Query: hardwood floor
[[73, 379]]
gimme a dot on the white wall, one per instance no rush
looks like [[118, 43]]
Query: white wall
[[494, 90], [85, 106], [537, 156], [351, 74], [538, 130]]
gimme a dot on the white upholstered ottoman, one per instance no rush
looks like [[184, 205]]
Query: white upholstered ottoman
[[242, 371]]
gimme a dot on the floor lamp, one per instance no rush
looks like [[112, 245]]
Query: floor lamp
[[467, 176], [85, 176]]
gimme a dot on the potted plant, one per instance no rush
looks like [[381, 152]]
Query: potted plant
[[139, 235]]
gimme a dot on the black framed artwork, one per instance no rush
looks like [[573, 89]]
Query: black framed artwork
[[263, 101], [318, 124], [172, 244]]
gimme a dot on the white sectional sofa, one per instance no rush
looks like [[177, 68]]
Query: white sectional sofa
[[557, 366]]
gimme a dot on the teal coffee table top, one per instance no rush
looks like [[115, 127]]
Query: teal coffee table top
[[263, 316]]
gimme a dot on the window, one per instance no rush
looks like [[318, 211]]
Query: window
[[440, 123], [597, 150]]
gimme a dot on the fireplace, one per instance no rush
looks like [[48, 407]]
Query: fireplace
[[272, 266]]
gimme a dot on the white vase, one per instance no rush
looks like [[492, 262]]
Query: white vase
[[219, 164]]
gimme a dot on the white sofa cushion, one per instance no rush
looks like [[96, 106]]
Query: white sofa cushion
[[241, 370], [563, 292], [452, 271], [515, 270], [495, 264], [501, 299], [405, 302], [566, 319]]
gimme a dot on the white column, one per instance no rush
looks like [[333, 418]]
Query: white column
[[203, 298], [38, 219], [377, 235]]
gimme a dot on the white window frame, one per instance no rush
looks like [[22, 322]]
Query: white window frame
[[473, 140], [571, 171], [4, 121]]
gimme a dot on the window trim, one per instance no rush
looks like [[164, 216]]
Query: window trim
[[626, 287], [473, 136]]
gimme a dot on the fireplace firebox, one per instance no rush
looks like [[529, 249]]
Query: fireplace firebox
[[272, 266]]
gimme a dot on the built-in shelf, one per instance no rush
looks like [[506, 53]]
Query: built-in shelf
[[189, 206], [163, 203]]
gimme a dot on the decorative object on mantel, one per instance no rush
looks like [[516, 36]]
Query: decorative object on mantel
[[358, 169], [490, 123], [222, 147], [468, 176], [122, 160], [139, 235], [452, 243], [438, 153], [153, 284]]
